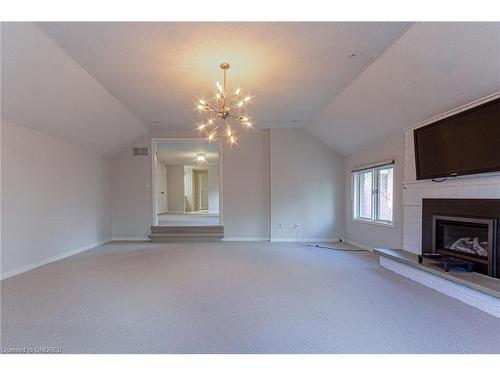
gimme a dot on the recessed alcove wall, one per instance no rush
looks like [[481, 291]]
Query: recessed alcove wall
[[473, 186]]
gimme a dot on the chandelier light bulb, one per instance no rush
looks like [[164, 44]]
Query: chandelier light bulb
[[201, 157], [224, 111], [219, 87]]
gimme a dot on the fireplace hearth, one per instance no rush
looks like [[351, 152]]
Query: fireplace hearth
[[464, 229]]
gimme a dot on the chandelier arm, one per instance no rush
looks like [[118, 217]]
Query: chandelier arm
[[235, 96], [224, 91], [210, 107], [235, 117], [225, 82]]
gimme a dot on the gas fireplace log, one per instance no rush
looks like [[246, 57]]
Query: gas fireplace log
[[469, 245], [478, 248], [460, 243]]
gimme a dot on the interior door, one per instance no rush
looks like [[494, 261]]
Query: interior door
[[203, 189]]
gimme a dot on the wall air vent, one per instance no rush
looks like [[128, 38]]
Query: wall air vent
[[140, 151]]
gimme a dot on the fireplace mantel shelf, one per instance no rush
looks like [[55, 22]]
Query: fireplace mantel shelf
[[485, 284]]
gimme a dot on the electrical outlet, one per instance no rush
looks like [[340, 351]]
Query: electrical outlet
[[280, 226], [296, 226]]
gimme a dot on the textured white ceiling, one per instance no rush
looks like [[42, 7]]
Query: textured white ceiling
[[432, 68], [45, 90], [158, 70], [111, 78], [184, 153]]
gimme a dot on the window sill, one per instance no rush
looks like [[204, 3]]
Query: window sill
[[379, 223]]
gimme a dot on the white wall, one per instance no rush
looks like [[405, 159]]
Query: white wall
[[131, 194], [55, 198], [213, 189], [189, 189], [372, 235], [246, 189], [161, 187], [175, 183], [307, 187]]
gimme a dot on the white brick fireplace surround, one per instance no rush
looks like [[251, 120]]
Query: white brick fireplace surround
[[474, 186], [413, 193]]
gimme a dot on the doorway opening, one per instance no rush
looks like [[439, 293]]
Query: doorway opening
[[186, 182]]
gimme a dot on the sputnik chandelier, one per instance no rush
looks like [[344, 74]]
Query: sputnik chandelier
[[225, 111]]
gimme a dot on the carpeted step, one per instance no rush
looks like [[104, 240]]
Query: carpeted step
[[186, 233], [187, 229]]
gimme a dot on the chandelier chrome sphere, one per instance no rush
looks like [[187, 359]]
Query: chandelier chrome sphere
[[226, 110]]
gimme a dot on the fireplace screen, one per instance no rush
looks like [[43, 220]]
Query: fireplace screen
[[468, 238], [463, 237]]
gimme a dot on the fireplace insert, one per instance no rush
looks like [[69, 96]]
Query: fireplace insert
[[464, 228], [469, 238]]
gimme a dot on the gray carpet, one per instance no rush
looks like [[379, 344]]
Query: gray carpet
[[234, 298]]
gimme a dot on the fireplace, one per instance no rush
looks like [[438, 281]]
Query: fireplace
[[467, 238], [463, 228]]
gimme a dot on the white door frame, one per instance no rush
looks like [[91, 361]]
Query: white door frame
[[155, 141]]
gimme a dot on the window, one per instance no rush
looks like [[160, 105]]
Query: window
[[373, 194]]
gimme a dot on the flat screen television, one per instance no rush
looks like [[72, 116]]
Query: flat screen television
[[465, 143]]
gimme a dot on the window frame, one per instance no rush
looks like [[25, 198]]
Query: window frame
[[375, 209]]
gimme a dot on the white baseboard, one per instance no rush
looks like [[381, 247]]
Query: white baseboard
[[315, 240], [249, 239], [54, 258], [358, 245]]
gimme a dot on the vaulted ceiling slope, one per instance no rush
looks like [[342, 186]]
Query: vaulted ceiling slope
[[432, 68], [46, 90], [159, 69], [102, 85]]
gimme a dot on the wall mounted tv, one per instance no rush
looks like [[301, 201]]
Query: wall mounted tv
[[465, 143]]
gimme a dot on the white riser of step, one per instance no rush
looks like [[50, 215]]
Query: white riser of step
[[167, 235], [173, 229], [195, 229], [185, 237]]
